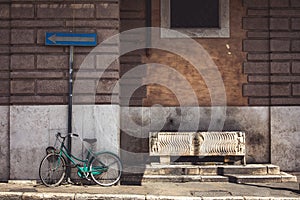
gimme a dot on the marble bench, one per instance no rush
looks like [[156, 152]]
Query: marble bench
[[167, 144]]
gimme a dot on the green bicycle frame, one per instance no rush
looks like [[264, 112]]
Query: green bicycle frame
[[86, 168]]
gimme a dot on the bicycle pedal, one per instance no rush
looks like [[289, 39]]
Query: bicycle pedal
[[87, 178]]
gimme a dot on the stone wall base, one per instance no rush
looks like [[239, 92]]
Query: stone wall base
[[272, 133], [33, 128]]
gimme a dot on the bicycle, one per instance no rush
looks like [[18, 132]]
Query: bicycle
[[104, 168]]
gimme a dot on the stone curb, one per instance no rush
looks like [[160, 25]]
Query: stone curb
[[81, 196]]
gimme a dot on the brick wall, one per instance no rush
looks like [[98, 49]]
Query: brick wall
[[226, 53], [273, 52], [33, 73], [4, 51], [132, 15]]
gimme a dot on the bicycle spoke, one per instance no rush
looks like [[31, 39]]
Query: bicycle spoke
[[113, 170], [52, 170]]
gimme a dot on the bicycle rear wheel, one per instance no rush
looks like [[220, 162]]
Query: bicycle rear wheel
[[52, 170], [106, 169]]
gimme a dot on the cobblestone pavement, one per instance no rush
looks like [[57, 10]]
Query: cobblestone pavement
[[163, 191]]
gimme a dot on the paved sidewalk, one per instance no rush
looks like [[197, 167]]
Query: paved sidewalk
[[153, 191]]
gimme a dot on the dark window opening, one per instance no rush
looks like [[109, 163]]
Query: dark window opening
[[195, 14]]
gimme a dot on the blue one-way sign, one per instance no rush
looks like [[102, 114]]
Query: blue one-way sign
[[71, 39]]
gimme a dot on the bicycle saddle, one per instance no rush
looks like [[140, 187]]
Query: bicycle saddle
[[90, 141]]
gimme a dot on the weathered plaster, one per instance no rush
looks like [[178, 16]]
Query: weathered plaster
[[100, 122], [285, 137], [4, 143], [33, 128], [137, 122]]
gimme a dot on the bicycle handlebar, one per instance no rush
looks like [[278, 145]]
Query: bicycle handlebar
[[74, 135], [59, 135], [69, 134]]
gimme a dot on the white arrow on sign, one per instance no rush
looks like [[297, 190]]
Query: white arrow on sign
[[55, 39]]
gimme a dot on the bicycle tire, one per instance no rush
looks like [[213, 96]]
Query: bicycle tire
[[52, 170], [113, 172]]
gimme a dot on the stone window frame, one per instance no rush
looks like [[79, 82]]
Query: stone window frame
[[222, 32]]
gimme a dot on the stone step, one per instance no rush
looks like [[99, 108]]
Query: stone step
[[252, 173], [252, 169], [184, 178], [235, 178], [281, 178]]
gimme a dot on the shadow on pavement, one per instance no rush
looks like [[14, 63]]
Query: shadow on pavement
[[296, 191]]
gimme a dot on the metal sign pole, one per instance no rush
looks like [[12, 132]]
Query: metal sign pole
[[70, 40], [70, 101]]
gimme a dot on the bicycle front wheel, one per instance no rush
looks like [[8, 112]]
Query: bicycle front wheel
[[106, 169], [52, 170]]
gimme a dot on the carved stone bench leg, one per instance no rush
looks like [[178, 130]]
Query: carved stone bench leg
[[165, 159], [244, 160]]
